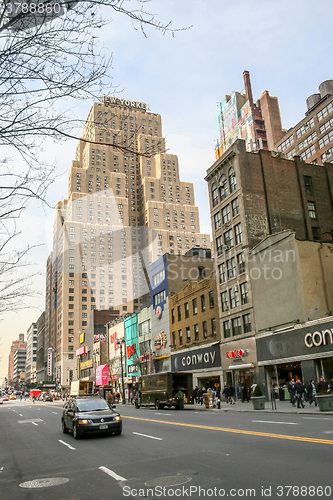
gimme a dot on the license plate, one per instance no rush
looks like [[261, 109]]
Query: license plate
[[103, 426]]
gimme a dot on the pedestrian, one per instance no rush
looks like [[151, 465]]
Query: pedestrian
[[109, 398], [232, 394], [312, 393], [200, 396], [117, 396], [180, 399], [33, 399], [291, 389], [195, 394], [225, 393], [299, 391], [322, 386], [246, 394]]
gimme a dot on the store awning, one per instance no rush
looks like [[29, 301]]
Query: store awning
[[239, 367]]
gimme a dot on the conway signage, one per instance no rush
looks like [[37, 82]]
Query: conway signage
[[196, 359], [307, 340]]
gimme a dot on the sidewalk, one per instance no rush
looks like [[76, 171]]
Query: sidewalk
[[281, 407]]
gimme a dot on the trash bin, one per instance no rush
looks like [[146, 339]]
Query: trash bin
[[281, 394]]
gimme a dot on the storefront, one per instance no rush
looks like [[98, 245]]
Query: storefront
[[304, 351], [204, 362], [239, 364]]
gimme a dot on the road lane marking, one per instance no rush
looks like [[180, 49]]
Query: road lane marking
[[237, 431], [30, 420], [317, 418], [274, 422], [112, 474], [146, 436], [55, 412], [163, 413], [34, 423], [21, 415], [66, 444]]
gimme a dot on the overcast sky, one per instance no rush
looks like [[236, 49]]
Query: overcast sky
[[286, 45]]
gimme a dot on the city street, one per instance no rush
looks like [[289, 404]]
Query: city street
[[164, 453]]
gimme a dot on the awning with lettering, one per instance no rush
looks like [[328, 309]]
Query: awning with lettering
[[82, 350]]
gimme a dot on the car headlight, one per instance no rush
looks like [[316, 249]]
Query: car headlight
[[118, 417], [84, 421]]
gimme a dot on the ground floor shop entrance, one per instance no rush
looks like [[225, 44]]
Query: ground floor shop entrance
[[209, 382], [241, 379]]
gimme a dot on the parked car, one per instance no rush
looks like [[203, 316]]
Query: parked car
[[1, 400], [12, 396], [5, 397], [87, 415], [48, 397]]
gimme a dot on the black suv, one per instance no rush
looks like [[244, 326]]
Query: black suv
[[86, 415]]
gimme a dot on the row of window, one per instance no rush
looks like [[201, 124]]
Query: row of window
[[227, 270], [223, 188], [307, 141], [227, 239], [196, 333], [325, 111], [326, 139], [234, 297], [194, 307], [308, 152], [237, 326], [224, 216], [285, 145]]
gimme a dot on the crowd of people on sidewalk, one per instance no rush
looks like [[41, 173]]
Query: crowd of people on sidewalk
[[300, 394]]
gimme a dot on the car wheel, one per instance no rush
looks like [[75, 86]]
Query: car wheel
[[117, 433], [157, 405], [76, 433], [64, 428]]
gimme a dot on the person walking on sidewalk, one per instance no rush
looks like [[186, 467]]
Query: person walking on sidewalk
[[299, 391], [291, 389], [232, 394], [312, 393], [226, 393]]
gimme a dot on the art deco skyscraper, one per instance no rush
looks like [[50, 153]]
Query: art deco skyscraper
[[126, 206]]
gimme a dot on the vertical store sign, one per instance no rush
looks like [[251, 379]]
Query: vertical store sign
[[50, 361]]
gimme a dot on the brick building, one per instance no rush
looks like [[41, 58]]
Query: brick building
[[194, 326], [312, 137], [253, 195]]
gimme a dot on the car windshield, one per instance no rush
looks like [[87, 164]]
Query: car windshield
[[92, 405]]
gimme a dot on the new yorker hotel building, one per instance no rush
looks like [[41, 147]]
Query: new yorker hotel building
[[126, 206]]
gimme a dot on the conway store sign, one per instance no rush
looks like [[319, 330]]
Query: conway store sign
[[311, 339], [196, 359]]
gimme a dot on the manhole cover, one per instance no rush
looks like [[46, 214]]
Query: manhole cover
[[168, 481], [44, 483]]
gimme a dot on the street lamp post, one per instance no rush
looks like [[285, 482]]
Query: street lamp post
[[121, 343]]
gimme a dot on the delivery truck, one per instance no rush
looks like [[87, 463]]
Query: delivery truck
[[160, 389]]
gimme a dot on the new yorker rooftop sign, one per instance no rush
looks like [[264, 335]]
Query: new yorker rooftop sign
[[108, 100]]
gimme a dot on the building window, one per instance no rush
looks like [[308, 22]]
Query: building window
[[222, 272], [194, 305], [238, 234], [213, 325], [312, 210], [187, 312], [180, 337], [234, 297], [235, 207], [232, 180], [159, 297], [172, 315], [70, 356], [236, 327], [224, 301], [226, 329], [229, 239], [204, 329], [241, 263], [231, 268], [244, 294], [215, 195], [224, 190], [196, 332], [226, 216], [219, 245], [188, 334], [203, 304], [247, 323], [179, 313], [316, 233], [217, 220], [211, 299]]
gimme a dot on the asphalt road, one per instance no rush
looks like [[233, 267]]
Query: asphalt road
[[166, 453]]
